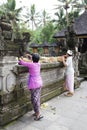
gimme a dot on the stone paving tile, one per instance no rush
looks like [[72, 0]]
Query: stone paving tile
[[15, 125], [70, 114], [56, 127], [50, 116], [64, 121], [42, 124], [78, 126], [83, 119], [28, 119], [29, 128]]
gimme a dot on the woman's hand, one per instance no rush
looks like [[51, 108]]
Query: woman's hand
[[63, 58], [29, 56], [21, 58]]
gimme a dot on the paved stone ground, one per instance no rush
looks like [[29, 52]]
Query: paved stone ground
[[60, 113]]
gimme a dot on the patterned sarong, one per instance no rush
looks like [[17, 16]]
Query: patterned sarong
[[35, 99]]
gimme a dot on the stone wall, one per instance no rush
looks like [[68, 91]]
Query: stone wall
[[14, 94], [83, 65]]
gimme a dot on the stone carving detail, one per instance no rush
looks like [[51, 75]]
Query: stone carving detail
[[7, 35], [10, 81], [9, 46]]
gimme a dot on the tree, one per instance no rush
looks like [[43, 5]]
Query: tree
[[66, 5], [73, 15], [60, 22], [82, 5], [47, 33], [45, 17], [9, 11], [36, 36], [32, 16], [43, 34]]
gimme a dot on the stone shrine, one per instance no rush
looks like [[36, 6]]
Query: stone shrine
[[14, 94]]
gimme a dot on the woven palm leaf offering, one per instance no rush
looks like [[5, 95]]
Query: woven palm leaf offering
[[46, 59], [51, 59]]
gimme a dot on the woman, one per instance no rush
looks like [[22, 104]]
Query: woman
[[69, 73], [34, 82]]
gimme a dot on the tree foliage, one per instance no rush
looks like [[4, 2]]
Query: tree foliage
[[9, 12], [47, 32]]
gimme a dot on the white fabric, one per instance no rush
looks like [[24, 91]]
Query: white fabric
[[69, 68], [69, 82], [69, 52]]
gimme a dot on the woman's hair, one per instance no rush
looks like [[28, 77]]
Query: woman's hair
[[35, 57]]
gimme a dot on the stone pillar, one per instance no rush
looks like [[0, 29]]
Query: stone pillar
[[7, 77], [35, 49], [13, 100], [46, 50], [56, 49]]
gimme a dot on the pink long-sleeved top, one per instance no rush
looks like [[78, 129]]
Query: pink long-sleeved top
[[34, 80]]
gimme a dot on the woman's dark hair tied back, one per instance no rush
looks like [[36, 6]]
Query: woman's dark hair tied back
[[35, 57]]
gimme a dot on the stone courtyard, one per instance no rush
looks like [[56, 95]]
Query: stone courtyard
[[60, 113]]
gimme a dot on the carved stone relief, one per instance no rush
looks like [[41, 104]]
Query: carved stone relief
[[10, 81]]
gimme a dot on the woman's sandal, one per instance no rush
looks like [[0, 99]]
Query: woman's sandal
[[38, 118], [69, 94], [34, 114]]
